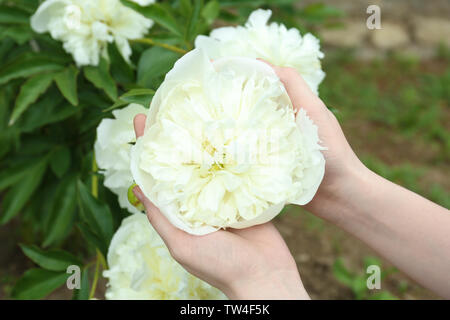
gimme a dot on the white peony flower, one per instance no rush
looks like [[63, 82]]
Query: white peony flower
[[144, 3], [141, 267], [222, 147], [87, 26], [112, 151], [271, 42]]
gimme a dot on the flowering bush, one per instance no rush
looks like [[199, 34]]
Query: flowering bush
[[73, 74]]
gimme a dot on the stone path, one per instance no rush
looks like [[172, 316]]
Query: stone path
[[413, 27]]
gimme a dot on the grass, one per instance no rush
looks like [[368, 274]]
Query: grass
[[397, 93], [401, 100]]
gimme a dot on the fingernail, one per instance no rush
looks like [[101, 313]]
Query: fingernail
[[137, 193], [135, 197]]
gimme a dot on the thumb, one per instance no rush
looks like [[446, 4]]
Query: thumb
[[165, 229]]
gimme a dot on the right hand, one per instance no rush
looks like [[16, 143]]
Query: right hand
[[342, 165]]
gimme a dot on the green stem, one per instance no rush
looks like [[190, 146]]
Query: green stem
[[94, 186], [95, 281], [100, 260], [160, 44]]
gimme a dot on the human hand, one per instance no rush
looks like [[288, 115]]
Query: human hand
[[251, 263], [343, 168], [406, 229]]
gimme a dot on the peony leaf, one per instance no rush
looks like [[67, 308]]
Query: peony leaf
[[13, 15], [17, 197], [51, 108], [14, 174], [95, 213], [185, 7], [38, 283], [140, 96], [193, 23], [92, 238], [101, 79], [62, 211], [54, 260], [60, 161], [153, 65], [66, 81], [83, 292], [30, 91], [19, 33], [158, 13], [210, 11], [26, 67]]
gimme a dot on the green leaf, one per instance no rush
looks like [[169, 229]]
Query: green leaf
[[54, 260], [14, 174], [19, 33], [191, 30], [62, 212], [119, 103], [369, 260], [66, 81], [211, 11], [11, 15], [140, 96], [101, 79], [60, 161], [153, 65], [83, 292], [38, 283], [185, 7], [17, 196], [383, 295], [30, 91], [5, 47], [158, 13], [359, 287], [52, 108], [317, 12], [26, 67], [95, 213], [120, 69], [341, 273], [92, 238]]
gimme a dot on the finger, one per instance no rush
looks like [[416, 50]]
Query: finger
[[298, 90], [139, 124], [258, 232], [165, 229]]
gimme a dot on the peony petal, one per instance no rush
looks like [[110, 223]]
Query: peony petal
[[48, 10]]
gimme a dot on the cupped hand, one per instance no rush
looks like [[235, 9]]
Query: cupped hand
[[342, 166], [251, 263]]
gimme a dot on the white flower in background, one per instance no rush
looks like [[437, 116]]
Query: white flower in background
[[112, 151], [87, 26], [144, 3], [141, 267], [272, 42], [222, 147]]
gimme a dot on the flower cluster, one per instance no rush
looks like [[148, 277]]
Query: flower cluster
[[87, 26], [112, 151], [222, 146], [271, 42], [141, 267]]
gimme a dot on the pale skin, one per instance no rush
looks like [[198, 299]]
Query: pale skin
[[408, 230]]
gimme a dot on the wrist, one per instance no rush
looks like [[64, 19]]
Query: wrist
[[338, 200], [278, 285]]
